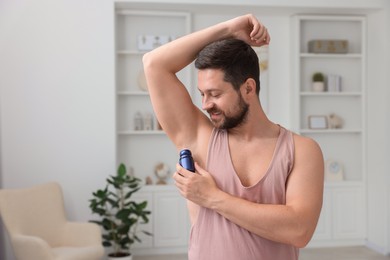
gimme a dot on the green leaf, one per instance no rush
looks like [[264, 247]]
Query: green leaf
[[123, 214], [108, 224], [147, 233], [113, 203], [101, 194], [142, 205], [145, 219], [100, 211], [128, 195], [137, 238], [107, 244], [122, 170], [96, 222], [113, 194], [125, 241], [123, 229], [134, 186]]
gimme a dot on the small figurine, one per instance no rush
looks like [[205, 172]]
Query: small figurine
[[148, 121], [138, 121], [335, 121], [162, 171], [148, 180]]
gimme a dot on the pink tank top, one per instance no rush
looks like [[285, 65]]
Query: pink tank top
[[213, 237]]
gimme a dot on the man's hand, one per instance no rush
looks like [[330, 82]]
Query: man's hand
[[249, 29], [198, 187]]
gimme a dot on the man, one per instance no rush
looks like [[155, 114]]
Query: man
[[257, 190]]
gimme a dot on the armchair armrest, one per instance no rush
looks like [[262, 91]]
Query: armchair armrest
[[81, 234], [31, 247]]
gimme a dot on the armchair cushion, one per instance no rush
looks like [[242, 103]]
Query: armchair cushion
[[78, 253], [81, 234], [31, 247]]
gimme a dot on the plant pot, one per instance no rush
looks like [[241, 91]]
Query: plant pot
[[318, 86], [124, 257]]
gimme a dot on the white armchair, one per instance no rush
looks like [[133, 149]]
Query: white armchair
[[38, 229]]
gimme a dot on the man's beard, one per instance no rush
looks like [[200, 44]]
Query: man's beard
[[233, 121]]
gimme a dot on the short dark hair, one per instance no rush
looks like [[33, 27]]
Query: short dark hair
[[235, 58]]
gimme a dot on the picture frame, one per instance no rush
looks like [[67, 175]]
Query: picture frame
[[318, 122]]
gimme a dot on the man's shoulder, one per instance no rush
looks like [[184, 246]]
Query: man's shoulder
[[306, 145]]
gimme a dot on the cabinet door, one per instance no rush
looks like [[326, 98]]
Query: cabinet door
[[348, 210], [324, 225], [170, 219]]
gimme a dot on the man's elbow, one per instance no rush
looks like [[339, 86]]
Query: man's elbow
[[146, 60], [302, 238]]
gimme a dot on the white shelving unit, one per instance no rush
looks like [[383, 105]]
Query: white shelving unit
[[142, 149], [343, 219]]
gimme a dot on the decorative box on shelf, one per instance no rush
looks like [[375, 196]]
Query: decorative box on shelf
[[328, 46]]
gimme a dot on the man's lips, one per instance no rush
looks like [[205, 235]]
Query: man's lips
[[215, 114]]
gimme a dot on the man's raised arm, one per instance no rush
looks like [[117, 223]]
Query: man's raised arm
[[178, 116]]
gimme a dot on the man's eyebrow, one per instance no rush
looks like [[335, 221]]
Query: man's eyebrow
[[209, 90]]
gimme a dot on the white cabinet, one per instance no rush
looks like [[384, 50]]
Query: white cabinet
[[342, 220], [348, 213], [324, 226], [169, 221]]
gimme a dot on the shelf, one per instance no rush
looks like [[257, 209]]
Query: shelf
[[130, 52], [330, 131], [146, 132], [331, 184], [331, 94], [331, 56], [132, 93]]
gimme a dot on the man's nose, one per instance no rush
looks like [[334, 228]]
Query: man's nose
[[206, 104]]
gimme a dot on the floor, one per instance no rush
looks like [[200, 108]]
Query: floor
[[344, 253]]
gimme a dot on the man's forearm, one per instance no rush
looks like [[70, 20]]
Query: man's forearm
[[177, 54], [280, 223], [174, 56]]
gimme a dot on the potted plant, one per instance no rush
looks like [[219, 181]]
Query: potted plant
[[318, 82], [120, 215]]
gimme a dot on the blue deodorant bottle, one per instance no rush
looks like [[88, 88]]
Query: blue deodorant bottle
[[186, 160]]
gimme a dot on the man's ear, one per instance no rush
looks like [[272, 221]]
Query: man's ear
[[250, 86]]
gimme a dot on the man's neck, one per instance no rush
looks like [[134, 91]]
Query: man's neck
[[256, 126]]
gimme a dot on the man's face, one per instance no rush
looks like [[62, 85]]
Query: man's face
[[224, 104]]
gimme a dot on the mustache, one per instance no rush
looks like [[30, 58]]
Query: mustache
[[213, 110]]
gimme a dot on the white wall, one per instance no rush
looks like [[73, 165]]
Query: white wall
[[57, 95], [387, 142], [377, 157]]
